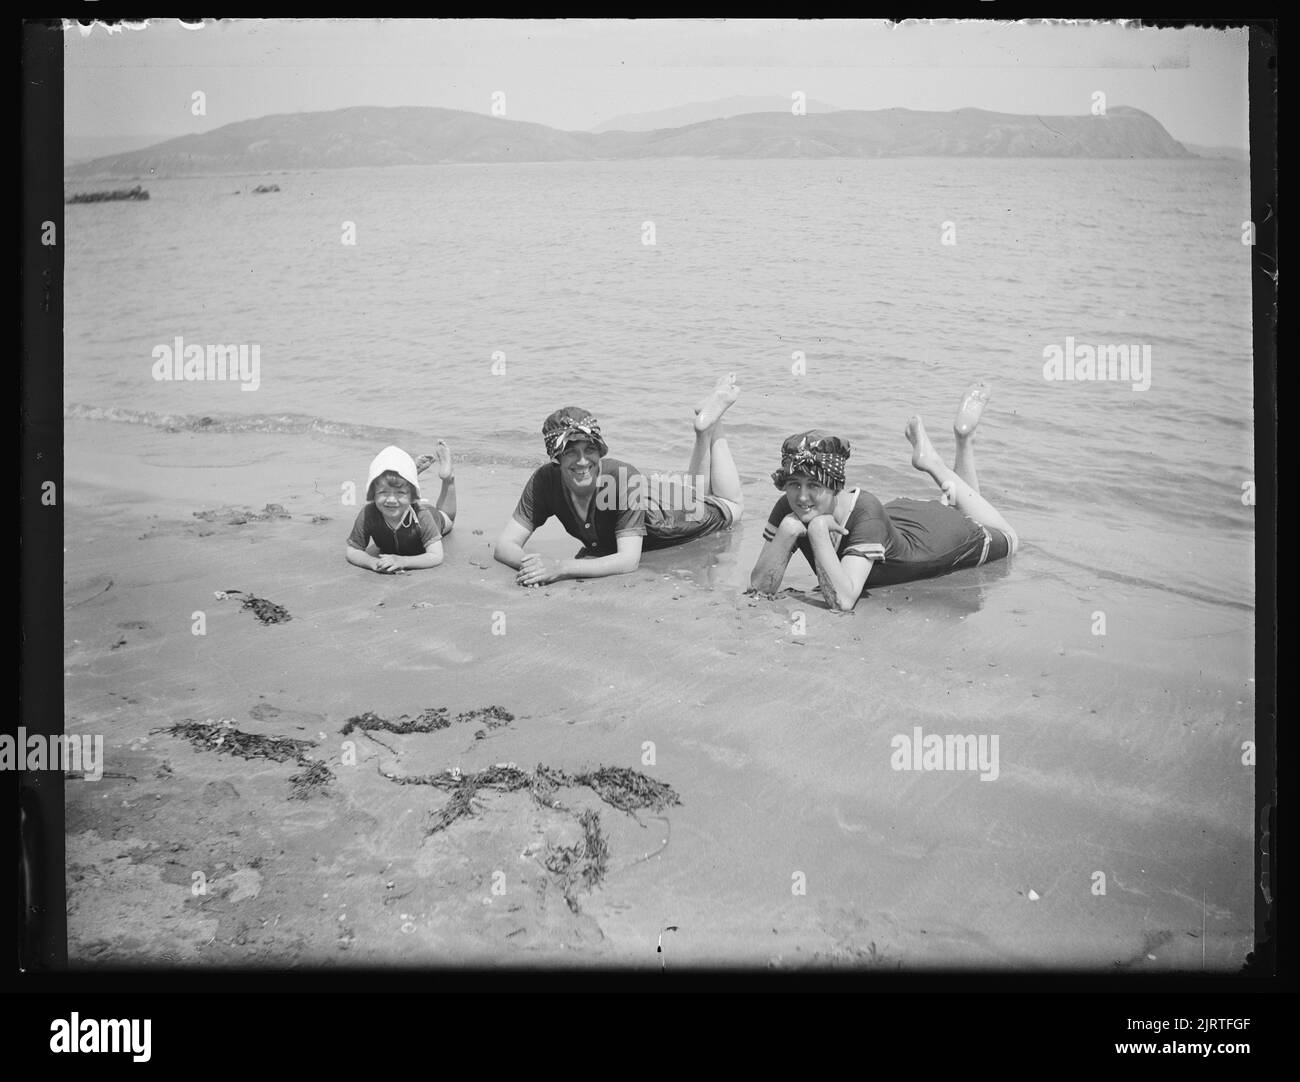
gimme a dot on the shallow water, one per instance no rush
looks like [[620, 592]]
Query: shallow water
[[394, 337]]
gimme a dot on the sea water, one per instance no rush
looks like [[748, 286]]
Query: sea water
[[468, 301]]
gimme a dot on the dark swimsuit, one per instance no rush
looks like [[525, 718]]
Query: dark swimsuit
[[413, 540], [618, 508], [906, 539]]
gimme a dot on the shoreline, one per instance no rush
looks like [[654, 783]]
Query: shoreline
[[777, 744]]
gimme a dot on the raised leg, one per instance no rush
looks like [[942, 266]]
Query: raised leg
[[711, 466], [442, 459], [969, 502], [718, 401], [724, 478], [963, 430]]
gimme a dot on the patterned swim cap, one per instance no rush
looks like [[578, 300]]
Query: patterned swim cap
[[815, 454], [571, 423]]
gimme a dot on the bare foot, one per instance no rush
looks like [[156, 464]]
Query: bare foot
[[924, 457], [709, 411], [972, 406], [442, 457]]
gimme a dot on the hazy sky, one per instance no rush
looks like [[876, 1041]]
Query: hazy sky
[[574, 74]]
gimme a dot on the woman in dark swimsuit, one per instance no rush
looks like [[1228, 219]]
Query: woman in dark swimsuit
[[853, 541], [612, 508]]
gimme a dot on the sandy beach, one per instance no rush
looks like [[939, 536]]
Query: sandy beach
[[795, 842]]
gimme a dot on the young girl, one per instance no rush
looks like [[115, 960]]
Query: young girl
[[853, 541], [397, 531]]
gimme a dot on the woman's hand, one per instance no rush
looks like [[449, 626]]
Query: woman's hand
[[792, 526], [389, 564], [833, 528], [538, 570]]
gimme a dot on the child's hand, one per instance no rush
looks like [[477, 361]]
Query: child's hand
[[389, 564]]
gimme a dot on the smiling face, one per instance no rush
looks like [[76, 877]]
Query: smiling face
[[809, 498], [579, 466], [392, 496]]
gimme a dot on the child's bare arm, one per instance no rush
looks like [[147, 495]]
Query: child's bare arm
[[431, 557], [361, 558]]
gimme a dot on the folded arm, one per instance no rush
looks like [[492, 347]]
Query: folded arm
[[841, 581], [770, 567], [537, 570]]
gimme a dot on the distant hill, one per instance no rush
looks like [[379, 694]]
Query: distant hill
[[80, 148], [699, 111], [408, 135]]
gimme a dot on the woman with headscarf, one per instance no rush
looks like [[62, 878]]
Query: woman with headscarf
[[853, 541], [613, 509]]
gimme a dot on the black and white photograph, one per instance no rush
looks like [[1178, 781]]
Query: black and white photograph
[[659, 496]]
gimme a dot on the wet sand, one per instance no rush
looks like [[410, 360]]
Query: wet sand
[[1118, 754]]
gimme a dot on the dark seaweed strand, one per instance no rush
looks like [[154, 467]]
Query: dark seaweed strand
[[584, 863], [267, 611], [426, 722], [430, 720], [493, 717], [595, 849], [627, 790], [204, 736], [311, 780]]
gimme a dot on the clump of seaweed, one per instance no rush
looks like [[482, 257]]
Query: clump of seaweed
[[463, 788], [494, 717], [227, 740], [266, 611], [579, 866], [428, 721], [583, 864], [425, 722], [311, 780], [213, 736], [627, 790]]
